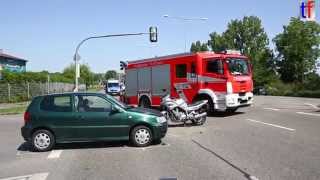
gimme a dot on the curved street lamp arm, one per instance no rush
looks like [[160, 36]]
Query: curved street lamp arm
[[76, 56], [104, 36]]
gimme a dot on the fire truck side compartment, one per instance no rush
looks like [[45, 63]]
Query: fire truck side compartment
[[150, 81], [144, 80], [131, 82], [161, 80]]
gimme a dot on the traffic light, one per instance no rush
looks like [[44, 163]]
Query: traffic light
[[153, 32], [123, 65]]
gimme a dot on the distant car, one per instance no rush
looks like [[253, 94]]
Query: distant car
[[260, 90], [78, 117], [113, 87]]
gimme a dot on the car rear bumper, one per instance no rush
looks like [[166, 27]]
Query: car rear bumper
[[26, 133], [114, 93]]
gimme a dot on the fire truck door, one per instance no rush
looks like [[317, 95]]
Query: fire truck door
[[180, 83]]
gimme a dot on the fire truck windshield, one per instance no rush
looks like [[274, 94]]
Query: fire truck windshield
[[238, 66]]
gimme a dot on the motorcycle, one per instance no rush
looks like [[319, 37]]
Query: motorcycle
[[177, 110]]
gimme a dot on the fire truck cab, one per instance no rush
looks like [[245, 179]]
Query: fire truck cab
[[224, 79]]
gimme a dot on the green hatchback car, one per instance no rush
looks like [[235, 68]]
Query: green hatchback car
[[83, 117]]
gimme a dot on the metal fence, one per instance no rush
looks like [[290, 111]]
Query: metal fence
[[25, 91]]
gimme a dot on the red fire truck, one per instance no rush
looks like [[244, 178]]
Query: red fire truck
[[224, 79]]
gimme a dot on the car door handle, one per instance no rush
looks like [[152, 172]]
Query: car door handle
[[80, 117]]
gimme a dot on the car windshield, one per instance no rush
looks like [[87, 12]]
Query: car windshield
[[119, 103], [238, 66], [113, 85]]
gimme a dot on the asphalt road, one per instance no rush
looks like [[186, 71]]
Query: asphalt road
[[277, 138]]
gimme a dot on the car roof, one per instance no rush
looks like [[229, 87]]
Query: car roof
[[71, 93], [113, 81]]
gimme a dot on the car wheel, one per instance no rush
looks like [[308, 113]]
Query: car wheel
[[42, 140], [141, 136]]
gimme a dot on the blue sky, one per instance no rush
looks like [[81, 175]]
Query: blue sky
[[46, 32]]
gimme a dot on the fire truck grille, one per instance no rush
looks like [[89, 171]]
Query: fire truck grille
[[242, 101]]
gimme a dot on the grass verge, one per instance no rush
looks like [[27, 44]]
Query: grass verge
[[13, 110]]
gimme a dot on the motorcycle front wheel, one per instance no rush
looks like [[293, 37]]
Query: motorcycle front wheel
[[200, 121]]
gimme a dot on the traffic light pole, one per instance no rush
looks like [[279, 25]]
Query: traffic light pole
[[76, 56]]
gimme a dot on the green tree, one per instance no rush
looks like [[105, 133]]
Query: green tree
[[86, 76], [111, 74], [15, 77], [248, 36], [298, 49], [98, 77], [217, 42], [198, 47]]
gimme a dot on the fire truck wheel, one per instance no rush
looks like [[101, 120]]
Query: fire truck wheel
[[144, 102]]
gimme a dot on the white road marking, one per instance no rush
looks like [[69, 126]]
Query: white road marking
[[38, 176], [274, 109], [151, 147], [311, 114], [22, 153], [253, 178], [174, 135], [312, 105], [54, 154], [274, 125]]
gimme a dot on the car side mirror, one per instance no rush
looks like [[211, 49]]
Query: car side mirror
[[114, 109]]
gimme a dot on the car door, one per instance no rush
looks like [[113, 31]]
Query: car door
[[57, 114], [96, 120]]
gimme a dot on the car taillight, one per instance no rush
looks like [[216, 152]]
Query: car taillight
[[26, 117]]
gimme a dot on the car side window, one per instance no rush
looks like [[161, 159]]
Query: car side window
[[56, 103], [92, 104]]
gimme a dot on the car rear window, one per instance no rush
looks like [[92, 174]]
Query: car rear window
[[56, 104]]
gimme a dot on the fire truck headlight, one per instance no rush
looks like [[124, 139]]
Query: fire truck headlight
[[229, 88]]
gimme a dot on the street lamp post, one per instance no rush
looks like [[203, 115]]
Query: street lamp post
[[153, 38], [185, 19]]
